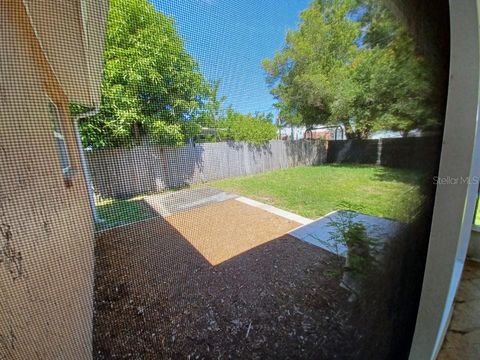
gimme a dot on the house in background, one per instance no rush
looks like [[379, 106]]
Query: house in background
[[319, 134], [292, 132], [51, 55], [312, 133]]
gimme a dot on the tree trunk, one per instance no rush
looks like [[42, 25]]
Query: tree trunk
[[136, 132], [363, 134], [349, 133]]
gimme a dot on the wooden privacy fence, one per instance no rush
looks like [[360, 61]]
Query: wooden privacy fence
[[420, 153], [125, 172]]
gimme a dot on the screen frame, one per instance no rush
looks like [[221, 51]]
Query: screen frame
[[455, 203]]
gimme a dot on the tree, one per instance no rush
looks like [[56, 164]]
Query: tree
[[309, 76], [213, 111], [400, 81], [254, 129], [152, 86], [351, 64]]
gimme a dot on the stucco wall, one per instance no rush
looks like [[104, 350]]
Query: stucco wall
[[71, 34], [46, 237]]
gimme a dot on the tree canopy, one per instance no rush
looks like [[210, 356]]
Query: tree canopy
[[151, 84], [255, 129], [352, 63], [153, 89]]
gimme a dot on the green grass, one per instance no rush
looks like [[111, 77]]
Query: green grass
[[477, 216], [310, 191], [115, 212], [317, 190]]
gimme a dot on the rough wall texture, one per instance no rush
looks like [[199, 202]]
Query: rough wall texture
[[46, 230], [143, 169], [71, 34]]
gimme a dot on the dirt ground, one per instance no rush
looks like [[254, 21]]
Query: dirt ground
[[164, 291]]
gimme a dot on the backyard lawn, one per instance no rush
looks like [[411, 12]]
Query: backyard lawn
[[309, 191], [313, 191], [477, 217], [115, 212]]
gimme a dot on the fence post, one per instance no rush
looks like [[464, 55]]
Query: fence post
[[379, 152]]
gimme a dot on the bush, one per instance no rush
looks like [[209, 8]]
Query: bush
[[254, 129], [166, 134]]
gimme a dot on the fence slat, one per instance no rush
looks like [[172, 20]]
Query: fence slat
[[126, 172]]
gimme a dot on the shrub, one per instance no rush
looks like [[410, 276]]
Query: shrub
[[254, 129]]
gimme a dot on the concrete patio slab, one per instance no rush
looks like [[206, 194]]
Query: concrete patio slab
[[319, 232]]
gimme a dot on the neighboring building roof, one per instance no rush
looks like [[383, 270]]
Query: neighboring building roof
[[71, 35]]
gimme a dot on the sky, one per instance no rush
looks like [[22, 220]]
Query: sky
[[230, 38]]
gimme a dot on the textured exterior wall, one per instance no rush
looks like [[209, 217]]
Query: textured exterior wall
[[143, 169], [46, 229], [71, 34]]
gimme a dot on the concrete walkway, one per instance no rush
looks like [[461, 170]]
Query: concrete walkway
[[272, 209], [182, 200], [319, 232]]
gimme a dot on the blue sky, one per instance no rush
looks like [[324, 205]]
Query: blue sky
[[230, 38]]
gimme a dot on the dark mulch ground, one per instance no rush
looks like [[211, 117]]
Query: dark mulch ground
[[156, 297]]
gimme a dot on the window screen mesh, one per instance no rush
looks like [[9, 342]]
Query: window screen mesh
[[213, 179]]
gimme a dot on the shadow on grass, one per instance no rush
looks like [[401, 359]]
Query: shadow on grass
[[406, 176], [123, 211], [382, 173], [117, 212], [345, 166]]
